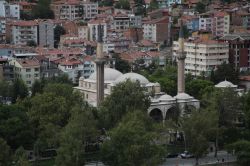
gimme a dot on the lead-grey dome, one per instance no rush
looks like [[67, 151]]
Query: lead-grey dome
[[133, 77], [110, 75]]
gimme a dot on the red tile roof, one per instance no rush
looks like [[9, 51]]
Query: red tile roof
[[24, 23], [28, 63]]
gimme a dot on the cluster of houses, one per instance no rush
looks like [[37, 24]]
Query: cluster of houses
[[28, 49]]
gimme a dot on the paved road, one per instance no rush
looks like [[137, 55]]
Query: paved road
[[209, 159]]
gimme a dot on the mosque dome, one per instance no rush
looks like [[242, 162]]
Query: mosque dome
[[110, 75], [133, 77], [166, 98], [225, 84], [183, 96]]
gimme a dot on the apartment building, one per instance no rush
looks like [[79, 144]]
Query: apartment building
[[205, 22], [46, 34], [157, 30], [202, 56], [220, 23], [27, 69], [124, 21], [2, 30], [74, 9], [6, 70], [239, 49], [90, 10], [9, 10], [83, 32], [23, 32], [93, 29]]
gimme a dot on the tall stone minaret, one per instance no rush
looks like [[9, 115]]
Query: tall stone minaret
[[100, 60], [181, 61]]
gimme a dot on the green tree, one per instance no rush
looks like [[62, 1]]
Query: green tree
[[195, 87], [122, 4], [6, 89], [21, 157], [49, 113], [15, 127], [20, 90], [79, 132], [153, 5], [42, 10], [37, 87], [200, 7], [197, 129], [58, 31], [125, 97], [226, 103], [242, 151], [132, 142], [225, 71], [140, 7], [5, 155], [121, 65]]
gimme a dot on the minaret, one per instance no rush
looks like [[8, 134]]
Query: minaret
[[100, 60], [181, 61]]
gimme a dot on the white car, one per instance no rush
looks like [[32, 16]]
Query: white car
[[186, 155]]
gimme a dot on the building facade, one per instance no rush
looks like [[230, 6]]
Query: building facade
[[46, 34], [157, 30], [26, 69], [23, 32], [239, 50], [9, 10], [203, 56]]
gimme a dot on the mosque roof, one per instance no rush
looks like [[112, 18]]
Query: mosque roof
[[166, 97], [225, 84], [109, 75], [183, 96], [133, 77]]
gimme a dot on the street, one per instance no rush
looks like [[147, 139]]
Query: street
[[209, 159]]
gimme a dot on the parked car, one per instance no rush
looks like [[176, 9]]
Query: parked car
[[186, 155]]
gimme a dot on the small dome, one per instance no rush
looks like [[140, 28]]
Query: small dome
[[109, 75], [166, 98], [225, 84], [133, 77], [183, 96]]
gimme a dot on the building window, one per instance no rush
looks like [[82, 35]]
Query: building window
[[37, 69], [28, 82], [36, 75], [28, 70]]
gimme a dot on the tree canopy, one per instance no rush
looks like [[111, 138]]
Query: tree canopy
[[131, 143], [125, 97]]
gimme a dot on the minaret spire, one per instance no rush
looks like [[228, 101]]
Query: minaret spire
[[100, 60], [181, 61]]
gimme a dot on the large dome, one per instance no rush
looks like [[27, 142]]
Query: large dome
[[183, 96], [133, 77], [166, 97], [110, 75], [225, 84]]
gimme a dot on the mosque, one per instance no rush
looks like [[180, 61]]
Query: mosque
[[101, 83]]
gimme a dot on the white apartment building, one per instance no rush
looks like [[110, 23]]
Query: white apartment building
[[205, 22], [93, 29], [9, 10], [24, 31], [26, 69], [83, 32], [2, 30], [203, 56], [90, 10]]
